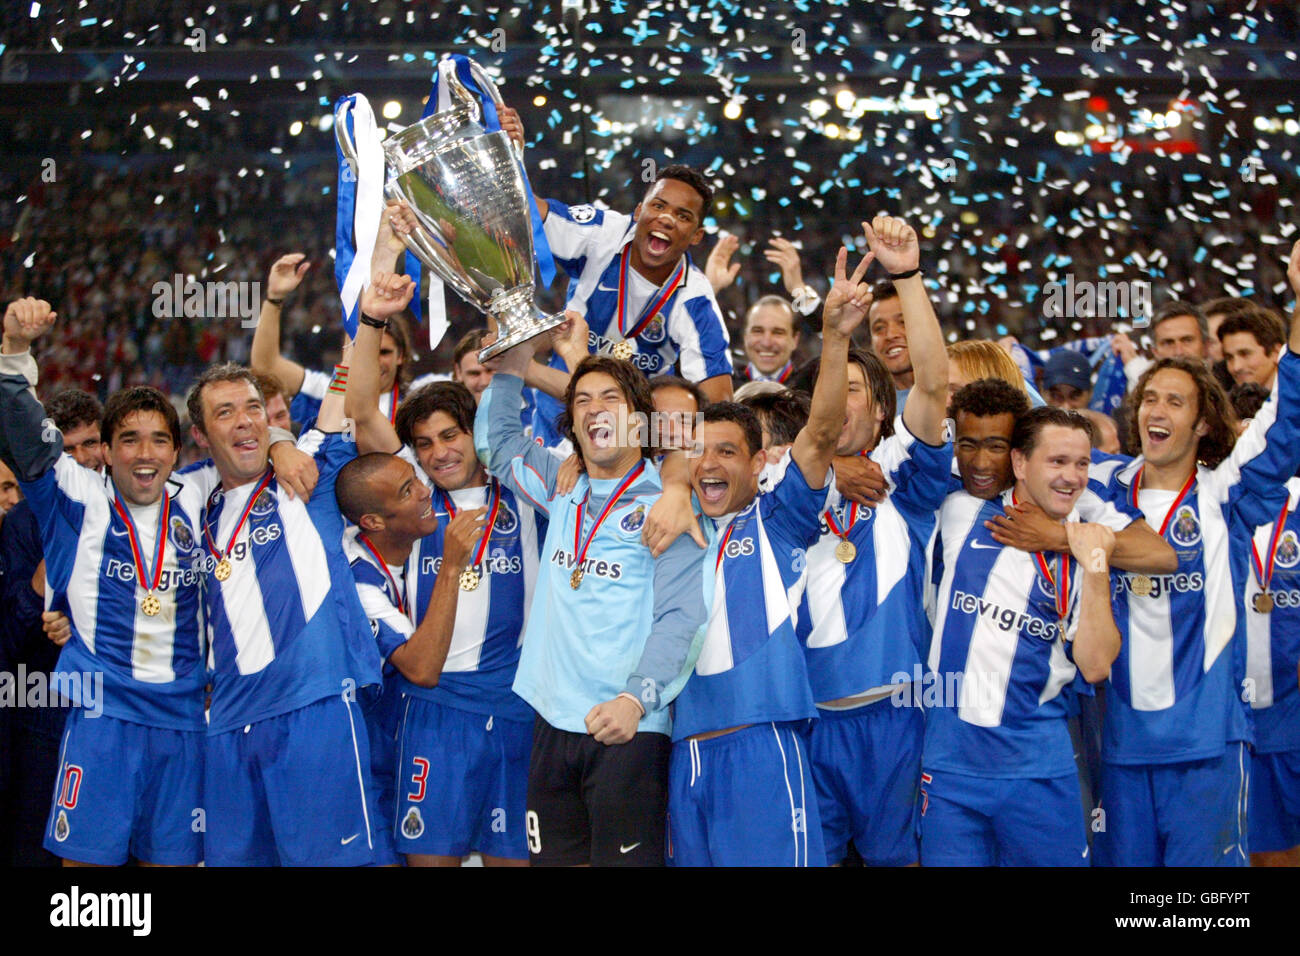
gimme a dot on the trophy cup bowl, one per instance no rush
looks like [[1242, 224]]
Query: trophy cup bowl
[[467, 192]]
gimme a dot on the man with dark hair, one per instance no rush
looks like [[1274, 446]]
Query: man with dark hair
[[465, 366], [780, 414], [1250, 341], [999, 786], [889, 336], [463, 737], [633, 281], [676, 402], [277, 405], [741, 771], [287, 766], [1176, 766], [76, 415], [597, 782], [119, 561]]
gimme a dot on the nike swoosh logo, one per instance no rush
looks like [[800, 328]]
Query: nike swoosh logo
[[628, 849], [606, 288], [349, 839], [984, 547], [120, 534]]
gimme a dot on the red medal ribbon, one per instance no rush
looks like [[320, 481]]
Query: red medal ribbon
[[580, 555], [392, 407], [1060, 583], [494, 506], [1137, 484], [207, 531], [383, 566], [148, 581], [754, 375], [1262, 573], [722, 548], [665, 293], [853, 519]]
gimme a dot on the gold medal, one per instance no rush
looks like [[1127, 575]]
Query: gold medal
[[150, 605], [1141, 585], [575, 579], [223, 569], [1263, 602], [469, 579], [845, 551], [623, 351]]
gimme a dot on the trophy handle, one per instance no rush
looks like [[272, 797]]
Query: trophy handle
[[489, 87]]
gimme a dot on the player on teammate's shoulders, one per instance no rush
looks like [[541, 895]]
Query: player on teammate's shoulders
[[597, 782], [1176, 763], [862, 621], [463, 735], [741, 790], [999, 785], [287, 773], [632, 279]]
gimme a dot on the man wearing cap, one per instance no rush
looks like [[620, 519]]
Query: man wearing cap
[[1067, 380]]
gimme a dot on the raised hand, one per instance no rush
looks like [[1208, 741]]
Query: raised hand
[[718, 268], [782, 253], [26, 320], [286, 274], [1123, 347], [1293, 270], [388, 294], [850, 298], [512, 124], [894, 242], [569, 339]]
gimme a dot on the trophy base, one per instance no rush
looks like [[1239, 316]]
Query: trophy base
[[517, 319]]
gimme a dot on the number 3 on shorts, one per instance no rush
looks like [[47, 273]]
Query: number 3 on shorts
[[534, 829]]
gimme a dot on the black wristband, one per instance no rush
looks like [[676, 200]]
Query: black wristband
[[905, 275], [276, 302], [372, 321]]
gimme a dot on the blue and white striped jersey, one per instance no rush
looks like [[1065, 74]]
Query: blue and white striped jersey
[[1273, 636], [305, 406], [863, 622], [750, 667], [285, 628], [688, 329], [490, 620], [153, 666], [1175, 694], [1000, 655]]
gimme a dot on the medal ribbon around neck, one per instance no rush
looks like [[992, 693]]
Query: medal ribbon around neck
[[494, 505], [230, 545], [1187, 486], [392, 406], [580, 555], [1264, 573], [149, 581], [722, 548], [399, 593], [835, 529], [1060, 582], [755, 375], [665, 293]]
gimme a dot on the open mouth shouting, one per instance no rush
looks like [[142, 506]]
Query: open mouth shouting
[[600, 430], [658, 242], [1157, 436], [713, 491], [145, 476]]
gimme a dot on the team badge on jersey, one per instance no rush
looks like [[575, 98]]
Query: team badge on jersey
[[633, 520], [1185, 530], [506, 521], [181, 536], [655, 330], [61, 828], [264, 504], [413, 824], [583, 213], [1045, 588], [1288, 550]]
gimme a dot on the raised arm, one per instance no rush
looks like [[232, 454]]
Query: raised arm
[[846, 307], [897, 248], [25, 445], [569, 340], [386, 295], [264, 357], [1096, 638]]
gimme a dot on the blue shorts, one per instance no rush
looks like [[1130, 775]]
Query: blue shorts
[[981, 821], [1178, 814], [867, 764], [125, 790], [291, 790], [462, 782], [744, 799], [1274, 800], [382, 713]]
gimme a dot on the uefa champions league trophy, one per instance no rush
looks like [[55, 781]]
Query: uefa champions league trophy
[[467, 192]]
